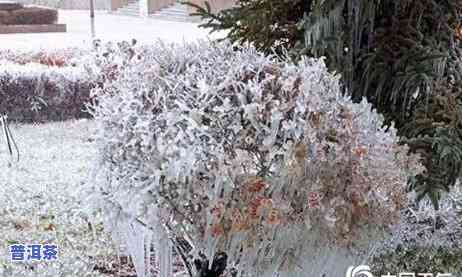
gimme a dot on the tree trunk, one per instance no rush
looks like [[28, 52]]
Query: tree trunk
[[217, 269]]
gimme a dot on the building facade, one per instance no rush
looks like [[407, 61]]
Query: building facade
[[148, 7]]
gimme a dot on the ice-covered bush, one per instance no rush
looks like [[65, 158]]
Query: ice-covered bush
[[51, 57], [260, 165], [426, 227], [426, 240], [419, 259], [36, 92]]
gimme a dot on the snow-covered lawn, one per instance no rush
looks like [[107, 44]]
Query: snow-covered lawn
[[41, 202], [108, 27]]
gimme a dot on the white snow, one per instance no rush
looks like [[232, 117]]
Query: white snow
[[41, 203], [108, 27]]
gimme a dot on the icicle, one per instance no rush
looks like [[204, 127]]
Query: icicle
[[135, 235], [148, 241], [164, 254]]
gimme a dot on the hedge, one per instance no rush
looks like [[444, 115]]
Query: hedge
[[55, 57], [29, 15], [38, 93]]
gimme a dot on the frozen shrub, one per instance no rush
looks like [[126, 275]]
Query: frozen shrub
[[426, 227], [426, 240], [35, 92], [109, 60], [51, 57], [419, 259], [260, 165]]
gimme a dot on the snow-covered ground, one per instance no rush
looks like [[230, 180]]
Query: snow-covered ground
[[108, 27], [41, 201]]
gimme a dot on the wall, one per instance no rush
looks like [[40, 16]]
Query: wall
[[69, 4], [155, 5], [216, 5]]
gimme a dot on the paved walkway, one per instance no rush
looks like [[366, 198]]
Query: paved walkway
[[107, 27]]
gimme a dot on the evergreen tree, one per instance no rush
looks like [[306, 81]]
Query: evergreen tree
[[403, 56], [269, 25]]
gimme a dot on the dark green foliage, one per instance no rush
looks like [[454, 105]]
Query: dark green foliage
[[435, 131], [270, 25], [403, 56]]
